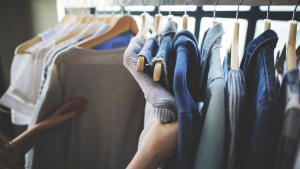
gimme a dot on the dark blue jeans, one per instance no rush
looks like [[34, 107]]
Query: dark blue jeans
[[260, 123], [163, 53], [185, 69]]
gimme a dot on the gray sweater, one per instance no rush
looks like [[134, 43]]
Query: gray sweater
[[106, 136]]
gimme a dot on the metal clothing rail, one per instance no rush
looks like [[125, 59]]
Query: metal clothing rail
[[210, 2]]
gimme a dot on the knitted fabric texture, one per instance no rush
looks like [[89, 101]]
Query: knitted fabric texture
[[160, 99]]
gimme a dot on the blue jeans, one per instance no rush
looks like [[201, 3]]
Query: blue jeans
[[185, 61], [163, 53], [260, 123]]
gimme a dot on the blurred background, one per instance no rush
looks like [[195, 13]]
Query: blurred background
[[21, 20]]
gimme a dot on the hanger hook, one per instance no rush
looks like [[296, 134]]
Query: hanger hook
[[270, 1], [215, 3], [144, 3], [113, 3], [170, 5], [160, 3], [237, 12], [186, 2], [295, 10], [128, 3]]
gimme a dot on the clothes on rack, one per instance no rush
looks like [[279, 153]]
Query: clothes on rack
[[163, 53], [160, 104], [105, 136], [210, 153], [261, 121], [185, 68], [289, 98]]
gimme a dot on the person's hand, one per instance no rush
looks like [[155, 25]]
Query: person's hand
[[69, 109], [160, 143]]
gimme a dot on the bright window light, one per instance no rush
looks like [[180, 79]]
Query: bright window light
[[178, 8], [278, 8], [225, 8], [228, 24], [108, 8], [281, 28], [140, 8]]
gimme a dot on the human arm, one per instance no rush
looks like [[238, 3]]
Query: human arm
[[24, 142], [159, 144]]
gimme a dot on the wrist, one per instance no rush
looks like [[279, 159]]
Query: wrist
[[43, 126]]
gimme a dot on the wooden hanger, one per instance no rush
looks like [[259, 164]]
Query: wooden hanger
[[158, 65], [121, 24], [68, 19], [235, 42], [291, 46], [146, 26]]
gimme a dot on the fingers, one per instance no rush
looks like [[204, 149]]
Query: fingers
[[73, 113], [71, 104]]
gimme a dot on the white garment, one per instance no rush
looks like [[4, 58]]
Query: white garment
[[106, 135], [26, 72]]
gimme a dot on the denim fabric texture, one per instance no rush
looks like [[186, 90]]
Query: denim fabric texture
[[235, 96], [163, 54], [227, 64], [185, 61], [210, 153], [149, 51], [289, 99], [261, 120]]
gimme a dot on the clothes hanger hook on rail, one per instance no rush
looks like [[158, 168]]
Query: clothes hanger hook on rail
[[215, 3], [186, 2], [295, 10], [128, 3], [160, 3], [144, 3], [237, 12], [270, 1], [111, 5], [170, 2]]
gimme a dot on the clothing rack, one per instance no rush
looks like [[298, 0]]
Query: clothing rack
[[210, 2]]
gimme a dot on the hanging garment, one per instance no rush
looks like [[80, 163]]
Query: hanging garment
[[121, 40], [160, 104], [261, 121], [106, 135], [210, 153], [289, 99], [235, 96], [149, 51], [163, 53], [25, 75], [185, 68]]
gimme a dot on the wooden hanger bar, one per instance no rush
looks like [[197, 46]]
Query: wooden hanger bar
[[267, 24], [22, 47], [291, 46], [225, 2], [121, 24], [235, 46], [185, 21]]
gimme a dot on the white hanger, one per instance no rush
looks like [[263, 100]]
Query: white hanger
[[291, 43], [267, 22], [235, 41]]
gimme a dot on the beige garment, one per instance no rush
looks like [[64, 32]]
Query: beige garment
[[104, 137]]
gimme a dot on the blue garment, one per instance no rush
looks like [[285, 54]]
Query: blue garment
[[261, 120], [149, 51], [210, 154], [163, 53], [186, 72], [119, 41]]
